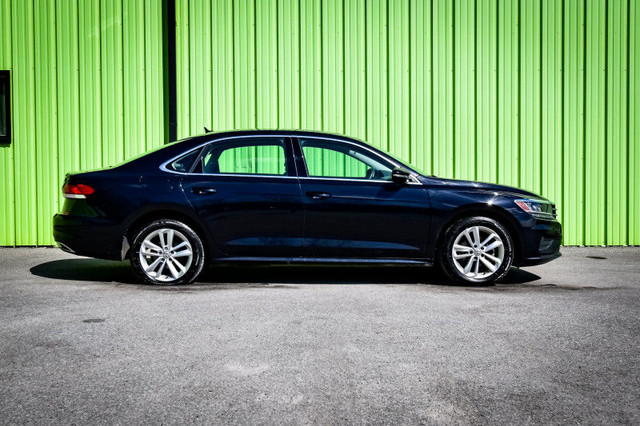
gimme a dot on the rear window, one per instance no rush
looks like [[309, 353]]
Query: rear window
[[144, 154]]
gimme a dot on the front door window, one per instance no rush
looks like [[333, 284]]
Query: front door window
[[332, 160]]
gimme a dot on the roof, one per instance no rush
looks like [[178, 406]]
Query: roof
[[294, 133]]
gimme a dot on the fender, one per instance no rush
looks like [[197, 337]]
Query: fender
[[449, 205]]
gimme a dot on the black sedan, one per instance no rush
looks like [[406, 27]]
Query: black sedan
[[293, 196]]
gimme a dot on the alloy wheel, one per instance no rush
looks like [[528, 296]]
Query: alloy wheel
[[165, 255], [477, 252]]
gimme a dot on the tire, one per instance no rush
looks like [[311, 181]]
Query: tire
[[482, 264], [165, 260]]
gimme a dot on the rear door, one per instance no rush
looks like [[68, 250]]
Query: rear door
[[246, 191], [353, 209]]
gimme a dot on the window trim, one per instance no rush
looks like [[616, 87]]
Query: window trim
[[413, 180], [295, 147], [290, 165], [5, 76], [278, 142], [186, 154], [300, 140]]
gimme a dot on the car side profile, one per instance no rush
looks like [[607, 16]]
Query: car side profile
[[294, 196]]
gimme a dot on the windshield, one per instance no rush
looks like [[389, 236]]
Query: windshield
[[411, 166]]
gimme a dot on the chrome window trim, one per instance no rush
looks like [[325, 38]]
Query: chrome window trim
[[240, 175], [413, 179], [354, 180], [164, 168]]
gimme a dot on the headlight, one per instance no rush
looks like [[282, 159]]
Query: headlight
[[537, 208]]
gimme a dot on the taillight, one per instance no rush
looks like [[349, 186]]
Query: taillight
[[79, 191]]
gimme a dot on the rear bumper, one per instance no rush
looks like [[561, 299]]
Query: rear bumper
[[88, 236]]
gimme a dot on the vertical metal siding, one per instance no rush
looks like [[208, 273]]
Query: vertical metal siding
[[595, 119], [464, 82], [377, 75], [87, 91], [7, 197], [421, 89], [538, 94], [616, 213], [508, 93], [486, 81], [633, 116], [23, 121], [573, 123]]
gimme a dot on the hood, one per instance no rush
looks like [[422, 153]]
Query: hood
[[489, 187]]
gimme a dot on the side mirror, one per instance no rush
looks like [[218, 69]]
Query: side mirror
[[400, 176]]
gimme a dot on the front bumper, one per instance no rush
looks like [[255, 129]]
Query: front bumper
[[540, 243], [530, 261]]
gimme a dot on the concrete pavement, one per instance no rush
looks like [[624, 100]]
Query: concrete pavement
[[81, 343]]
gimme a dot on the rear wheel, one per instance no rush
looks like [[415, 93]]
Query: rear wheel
[[167, 252], [477, 250]]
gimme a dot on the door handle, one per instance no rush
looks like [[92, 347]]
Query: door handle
[[318, 195], [203, 191]]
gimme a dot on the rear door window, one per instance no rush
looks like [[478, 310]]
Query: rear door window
[[250, 156]]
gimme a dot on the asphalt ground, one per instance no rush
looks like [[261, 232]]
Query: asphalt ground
[[81, 343]]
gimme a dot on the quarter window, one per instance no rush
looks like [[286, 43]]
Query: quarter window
[[335, 160], [5, 107], [184, 163], [254, 157]]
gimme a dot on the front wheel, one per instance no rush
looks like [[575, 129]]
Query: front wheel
[[477, 250], [167, 252]]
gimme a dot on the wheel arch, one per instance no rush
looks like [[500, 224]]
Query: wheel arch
[[164, 212], [494, 212]]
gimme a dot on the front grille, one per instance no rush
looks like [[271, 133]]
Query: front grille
[[548, 210]]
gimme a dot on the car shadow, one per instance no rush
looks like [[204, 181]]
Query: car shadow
[[95, 270]]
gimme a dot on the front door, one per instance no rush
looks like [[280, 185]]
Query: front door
[[246, 191], [354, 210]]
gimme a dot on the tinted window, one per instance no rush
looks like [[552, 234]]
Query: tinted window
[[184, 163], [261, 156], [332, 159]]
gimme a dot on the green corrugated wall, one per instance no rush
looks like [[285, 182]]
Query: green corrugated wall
[[542, 95], [87, 91]]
